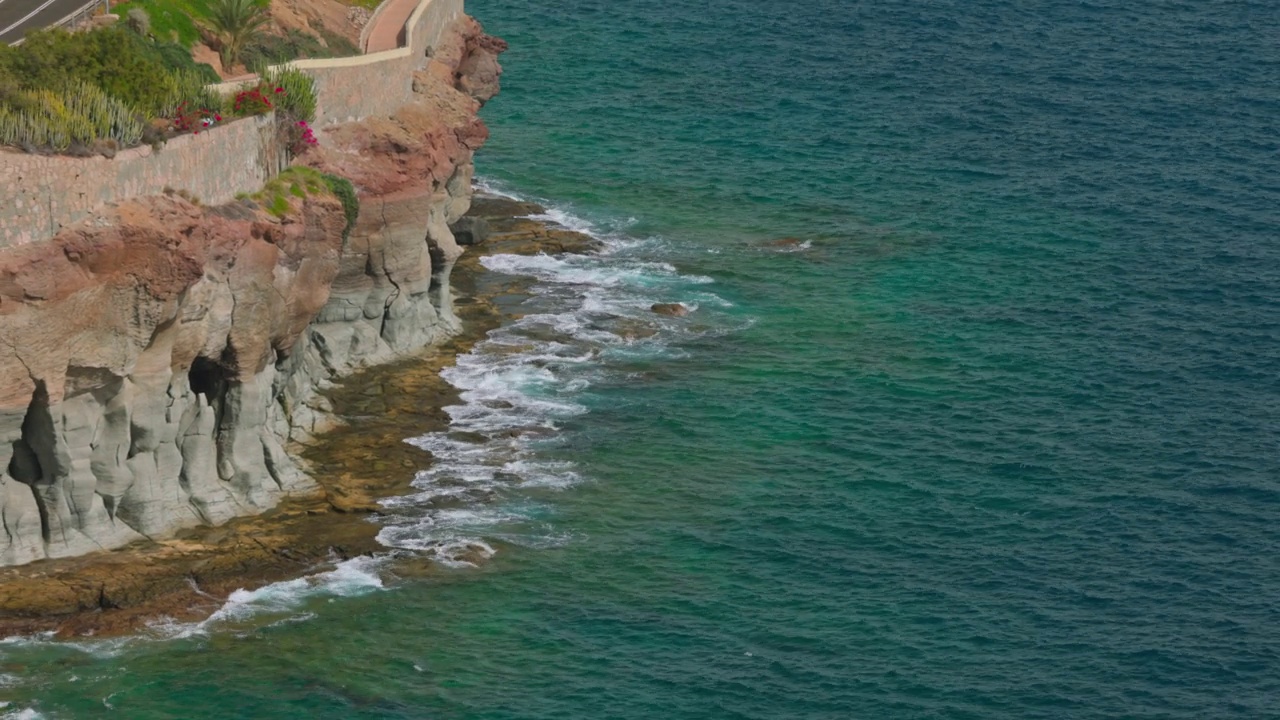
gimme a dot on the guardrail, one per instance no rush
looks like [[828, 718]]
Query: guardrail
[[73, 20]]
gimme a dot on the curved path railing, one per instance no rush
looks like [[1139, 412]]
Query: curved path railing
[[379, 81]]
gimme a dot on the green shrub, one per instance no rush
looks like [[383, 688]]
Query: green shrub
[[178, 58], [338, 46], [278, 205], [190, 88], [346, 194], [297, 97], [137, 20], [120, 62], [60, 88], [296, 181], [267, 50], [299, 181]]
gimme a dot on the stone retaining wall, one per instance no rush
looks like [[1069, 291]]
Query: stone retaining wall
[[379, 83], [41, 194]]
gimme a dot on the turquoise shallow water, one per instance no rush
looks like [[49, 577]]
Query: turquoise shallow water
[[997, 440]]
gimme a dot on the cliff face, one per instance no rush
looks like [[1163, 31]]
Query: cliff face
[[139, 361], [414, 171], [157, 359]]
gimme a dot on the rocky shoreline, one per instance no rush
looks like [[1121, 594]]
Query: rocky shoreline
[[159, 355], [359, 460]]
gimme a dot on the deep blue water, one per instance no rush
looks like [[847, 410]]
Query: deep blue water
[[995, 437]]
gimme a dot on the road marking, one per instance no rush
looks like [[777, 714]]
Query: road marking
[[28, 16]]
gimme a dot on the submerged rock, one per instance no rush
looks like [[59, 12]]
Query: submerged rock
[[670, 309], [628, 329], [786, 242]]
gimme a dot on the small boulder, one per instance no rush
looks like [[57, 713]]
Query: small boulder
[[467, 436], [634, 330], [470, 230], [670, 309]]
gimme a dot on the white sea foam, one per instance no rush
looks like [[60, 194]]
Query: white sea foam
[[489, 186], [798, 247], [517, 389], [347, 578], [106, 648], [521, 384], [353, 577]]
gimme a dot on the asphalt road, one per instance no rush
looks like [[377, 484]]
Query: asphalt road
[[19, 16]]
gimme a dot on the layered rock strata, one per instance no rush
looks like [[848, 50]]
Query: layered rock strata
[[189, 576], [158, 359]]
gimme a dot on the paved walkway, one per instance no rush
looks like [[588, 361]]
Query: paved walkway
[[388, 27]]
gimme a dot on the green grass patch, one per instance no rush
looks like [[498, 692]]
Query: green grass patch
[[302, 182], [297, 182], [267, 50], [346, 194], [171, 20]]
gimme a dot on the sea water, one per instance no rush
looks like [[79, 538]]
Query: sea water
[[975, 416]]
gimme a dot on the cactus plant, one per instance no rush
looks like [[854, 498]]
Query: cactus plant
[[78, 113]]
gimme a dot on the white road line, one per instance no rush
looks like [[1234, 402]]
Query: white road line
[[28, 16]]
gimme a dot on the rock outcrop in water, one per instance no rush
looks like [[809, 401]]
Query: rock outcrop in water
[[157, 359]]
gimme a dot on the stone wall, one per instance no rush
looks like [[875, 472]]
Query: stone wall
[[378, 84], [39, 194], [353, 88], [158, 358]]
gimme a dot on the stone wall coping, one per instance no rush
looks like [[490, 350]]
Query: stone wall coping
[[228, 86], [368, 26], [39, 194]]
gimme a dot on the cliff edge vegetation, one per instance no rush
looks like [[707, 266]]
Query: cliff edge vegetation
[[235, 36], [109, 89], [160, 358]]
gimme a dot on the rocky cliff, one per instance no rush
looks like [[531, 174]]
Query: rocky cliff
[[158, 360]]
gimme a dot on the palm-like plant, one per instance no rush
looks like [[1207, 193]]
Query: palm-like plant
[[236, 22]]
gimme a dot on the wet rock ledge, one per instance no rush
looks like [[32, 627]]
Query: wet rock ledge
[[359, 458]]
